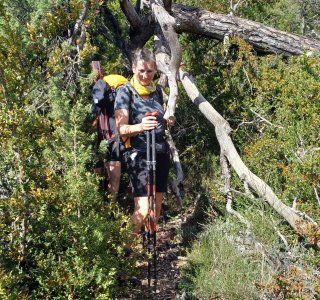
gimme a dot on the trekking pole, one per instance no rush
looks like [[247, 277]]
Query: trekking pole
[[151, 164], [149, 205], [154, 162]]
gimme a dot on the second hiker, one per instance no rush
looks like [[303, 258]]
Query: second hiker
[[103, 95]]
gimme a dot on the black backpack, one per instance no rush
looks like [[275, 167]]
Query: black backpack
[[103, 97]]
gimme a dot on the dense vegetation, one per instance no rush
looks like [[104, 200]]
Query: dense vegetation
[[273, 105], [60, 240]]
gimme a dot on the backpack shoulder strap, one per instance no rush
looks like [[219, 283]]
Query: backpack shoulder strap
[[131, 90]]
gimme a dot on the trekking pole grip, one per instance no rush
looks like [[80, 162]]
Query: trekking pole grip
[[150, 114], [153, 114]]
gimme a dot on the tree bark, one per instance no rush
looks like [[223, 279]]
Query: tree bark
[[263, 39], [176, 183], [141, 29], [169, 54], [131, 14], [79, 23], [168, 57]]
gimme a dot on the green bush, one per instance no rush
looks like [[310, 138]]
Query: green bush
[[59, 239]]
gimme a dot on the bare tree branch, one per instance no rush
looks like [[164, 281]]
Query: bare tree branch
[[263, 38], [111, 30], [163, 64], [281, 236], [225, 174], [317, 195], [264, 119], [82, 37], [179, 173], [167, 4], [233, 7], [163, 81], [131, 14], [141, 29], [20, 176], [294, 203], [79, 23]]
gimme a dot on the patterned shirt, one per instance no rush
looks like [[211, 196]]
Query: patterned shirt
[[127, 98]]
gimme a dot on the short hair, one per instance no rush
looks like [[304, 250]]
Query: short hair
[[143, 54]]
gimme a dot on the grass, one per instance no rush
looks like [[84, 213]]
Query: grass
[[217, 270]]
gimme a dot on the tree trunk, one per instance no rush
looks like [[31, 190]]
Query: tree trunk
[[168, 61], [262, 38]]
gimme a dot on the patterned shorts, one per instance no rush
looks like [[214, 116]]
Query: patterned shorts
[[137, 169]]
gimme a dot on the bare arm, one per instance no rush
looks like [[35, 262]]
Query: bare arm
[[125, 130]]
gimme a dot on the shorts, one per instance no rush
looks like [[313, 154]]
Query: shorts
[[137, 169]]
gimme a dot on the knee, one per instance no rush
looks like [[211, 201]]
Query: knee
[[141, 212]]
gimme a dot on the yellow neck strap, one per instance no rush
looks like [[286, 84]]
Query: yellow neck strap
[[142, 90]]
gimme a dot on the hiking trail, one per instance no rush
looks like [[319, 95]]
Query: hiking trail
[[171, 257]]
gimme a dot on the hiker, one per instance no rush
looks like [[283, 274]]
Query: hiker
[[111, 162], [103, 94], [132, 102]]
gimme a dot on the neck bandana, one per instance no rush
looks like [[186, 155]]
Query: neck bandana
[[141, 89]]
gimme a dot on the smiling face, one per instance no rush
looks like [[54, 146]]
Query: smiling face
[[144, 71]]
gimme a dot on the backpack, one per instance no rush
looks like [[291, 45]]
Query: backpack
[[103, 97], [104, 92]]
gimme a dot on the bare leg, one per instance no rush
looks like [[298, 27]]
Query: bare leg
[[114, 173], [140, 213], [159, 198]]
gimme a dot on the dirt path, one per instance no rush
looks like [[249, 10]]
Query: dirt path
[[171, 257]]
